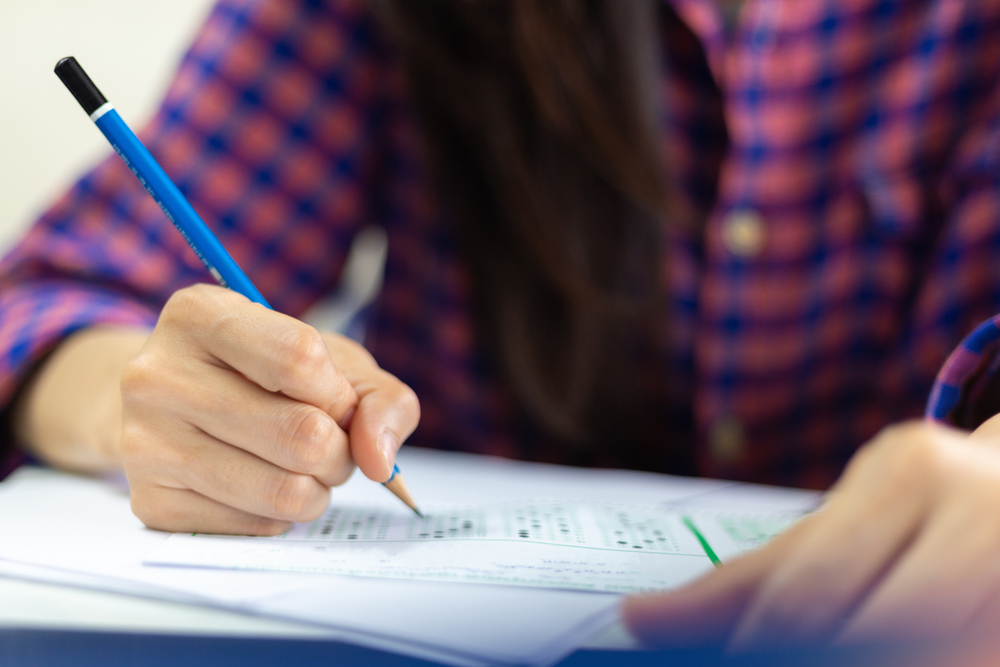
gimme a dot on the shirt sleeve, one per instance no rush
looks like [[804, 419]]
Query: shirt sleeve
[[966, 391], [268, 128]]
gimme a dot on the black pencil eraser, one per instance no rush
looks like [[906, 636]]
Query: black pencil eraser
[[83, 89]]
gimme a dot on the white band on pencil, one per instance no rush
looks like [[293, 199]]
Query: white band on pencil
[[101, 110]]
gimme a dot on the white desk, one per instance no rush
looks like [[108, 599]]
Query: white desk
[[27, 604]]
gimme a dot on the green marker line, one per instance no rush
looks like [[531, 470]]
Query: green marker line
[[701, 538]]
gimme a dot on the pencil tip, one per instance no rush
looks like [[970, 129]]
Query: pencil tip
[[397, 485]]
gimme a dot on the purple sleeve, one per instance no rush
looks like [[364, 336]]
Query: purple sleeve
[[268, 128], [965, 392]]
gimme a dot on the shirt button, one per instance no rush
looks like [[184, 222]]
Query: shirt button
[[726, 440], [743, 232]]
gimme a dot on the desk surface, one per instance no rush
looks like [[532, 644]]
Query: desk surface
[[43, 625], [48, 625], [27, 604]]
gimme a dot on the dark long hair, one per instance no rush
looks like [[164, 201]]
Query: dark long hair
[[540, 119]]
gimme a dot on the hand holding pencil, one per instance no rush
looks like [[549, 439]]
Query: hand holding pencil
[[236, 418]]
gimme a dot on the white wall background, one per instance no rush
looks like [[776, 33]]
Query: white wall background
[[129, 47]]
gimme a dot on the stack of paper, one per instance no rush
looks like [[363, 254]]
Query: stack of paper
[[514, 563]]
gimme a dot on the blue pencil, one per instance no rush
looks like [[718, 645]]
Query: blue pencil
[[175, 205]]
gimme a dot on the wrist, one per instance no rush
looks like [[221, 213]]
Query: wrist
[[68, 413]]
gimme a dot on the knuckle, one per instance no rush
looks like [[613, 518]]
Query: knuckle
[[183, 305], [149, 452], [156, 389], [923, 455], [132, 442], [407, 400], [301, 356], [291, 496], [309, 438], [207, 307], [176, 456], [912, 457], [342, 474], [139, 377], [903, 432], [155, 515], [142, 453]]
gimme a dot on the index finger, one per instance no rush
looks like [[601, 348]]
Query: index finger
[[707, 611], [272, 350], [702, 613]]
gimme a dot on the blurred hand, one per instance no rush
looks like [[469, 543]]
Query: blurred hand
[[906, 547]]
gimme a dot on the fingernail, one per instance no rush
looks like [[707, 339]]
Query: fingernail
[[389, 444]]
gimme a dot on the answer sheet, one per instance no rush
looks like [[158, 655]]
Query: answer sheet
[[613, 547], [79, 531]]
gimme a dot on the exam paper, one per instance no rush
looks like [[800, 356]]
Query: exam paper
[[77, 531], [589, 546], [80, 531]]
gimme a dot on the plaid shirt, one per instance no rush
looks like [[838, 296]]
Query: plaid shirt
[[844, 158]]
